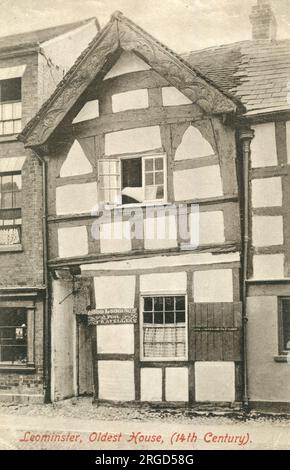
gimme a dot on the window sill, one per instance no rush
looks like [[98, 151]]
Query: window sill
[[8, 138], [10, 248], [23, 369], [138, 205], [283, 358]]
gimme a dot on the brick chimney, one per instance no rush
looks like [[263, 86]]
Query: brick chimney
[[264, 24]]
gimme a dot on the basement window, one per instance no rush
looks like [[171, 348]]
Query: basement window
[[10, 209], [163, 328], [133, 180], [10, 106], [13, 336]]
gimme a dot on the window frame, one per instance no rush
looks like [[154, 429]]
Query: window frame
[[30, 335], [13, 119], [143, 157], [281, 338], [15, 225], [141, 326]]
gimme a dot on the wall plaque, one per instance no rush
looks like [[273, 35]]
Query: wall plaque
[[112, 316]]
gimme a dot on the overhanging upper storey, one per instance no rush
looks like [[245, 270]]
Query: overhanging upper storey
[[121, 34]]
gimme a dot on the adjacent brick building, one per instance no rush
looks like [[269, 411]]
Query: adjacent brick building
[[31, 65]]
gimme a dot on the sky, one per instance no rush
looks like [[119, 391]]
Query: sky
[[183, 25]]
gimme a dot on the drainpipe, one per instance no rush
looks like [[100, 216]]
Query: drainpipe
[[46, 320], [246, 135]]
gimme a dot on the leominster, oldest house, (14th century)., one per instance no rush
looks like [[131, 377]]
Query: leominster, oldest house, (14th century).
[[133, 134]]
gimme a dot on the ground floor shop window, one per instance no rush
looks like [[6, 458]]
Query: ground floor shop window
[[284, 324], [13, 336], [163, 328]]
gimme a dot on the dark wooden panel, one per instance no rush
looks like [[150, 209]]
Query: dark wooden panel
[[215, 332]]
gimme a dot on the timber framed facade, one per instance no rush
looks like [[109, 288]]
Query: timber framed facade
[[133, 134]]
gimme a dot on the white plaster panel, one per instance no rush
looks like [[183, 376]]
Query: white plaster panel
[[160, 232], [76, 198], [115, 237], [267, 230], [171, 96], [128, 62], [89, 111], [72, 241], [193, 145], [213, 286], [267, 192], [76, 162], [151, 384], [163, 282], [263, 146], [117, 339], [115, 291], [116, 380], [211, 227], [133, 140], [135, 99], [197, 183], [215, 381], [268, 266], [164, 261], [176, 384]]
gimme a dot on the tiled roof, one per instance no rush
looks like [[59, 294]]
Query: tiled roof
[[256, 72], [33, 38]]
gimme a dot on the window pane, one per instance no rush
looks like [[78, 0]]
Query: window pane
[[169, 317], [114, 182], [148, 304], [169, 303], [148, 164], [180, 317], [10, 89], [148, 317], [113, 167], [180, 303], [6, 183], [17, 182], [160, 192], [159, 164], [17, 110], [150, 193], [158, 318], [158, 304], [8, 127], [7, 111], [149, 179], [17, 126], [159, 178], [17, 199], [6, 200]]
